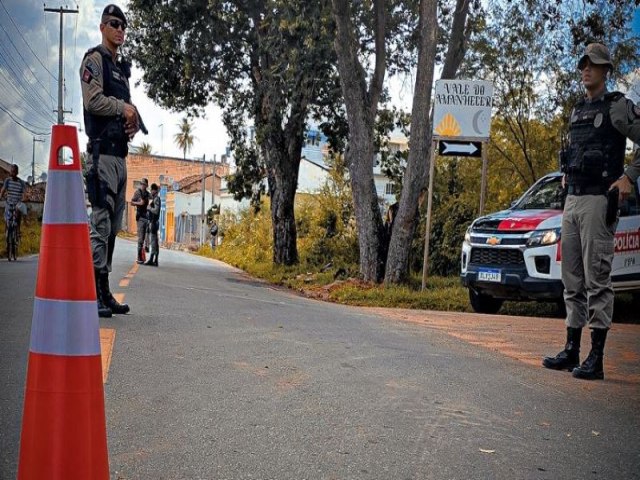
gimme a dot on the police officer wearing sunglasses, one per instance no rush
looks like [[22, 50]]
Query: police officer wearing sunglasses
[[596, 181], [111, 121]]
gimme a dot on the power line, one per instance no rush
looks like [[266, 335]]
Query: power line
[[25, 42], [17, 73], [35, 101], [22, 122], [25, 101], [22, 58]]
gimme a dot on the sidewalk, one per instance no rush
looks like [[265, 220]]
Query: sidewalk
[[528, 339]]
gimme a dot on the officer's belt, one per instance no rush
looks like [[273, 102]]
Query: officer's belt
[[110, 148], [579, 190]]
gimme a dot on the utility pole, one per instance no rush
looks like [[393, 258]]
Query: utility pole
[[213, 178], [61, 111], [33, 160], [161, 138], [202, 223]]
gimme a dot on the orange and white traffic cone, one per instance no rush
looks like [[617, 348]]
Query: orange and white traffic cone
[[63, 425]]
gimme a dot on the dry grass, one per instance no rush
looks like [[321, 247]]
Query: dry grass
[[30, 241], [442, 293]]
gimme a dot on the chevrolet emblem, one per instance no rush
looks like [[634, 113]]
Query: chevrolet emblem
[[493, 241]]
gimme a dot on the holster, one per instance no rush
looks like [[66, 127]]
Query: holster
[[97, 189], [612, 205]]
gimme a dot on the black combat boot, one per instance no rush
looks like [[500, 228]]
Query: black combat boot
[[569, 358], [140, 255], [150, 261], [155, 259], [115, 306], [592, 368], [103, 310]]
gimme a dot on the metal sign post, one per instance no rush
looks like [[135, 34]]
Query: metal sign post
[[425, 263], [483, 181]]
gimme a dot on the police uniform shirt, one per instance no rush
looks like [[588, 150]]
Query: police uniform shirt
[[93, 97], [625, 117]]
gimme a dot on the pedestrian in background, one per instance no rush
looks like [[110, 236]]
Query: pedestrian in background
[[154, 225], [14, 187], [214, 234], [110, 121], [596, 182], [141, 201]]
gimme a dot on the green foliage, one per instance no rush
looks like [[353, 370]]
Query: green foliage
[[324, 223], [264, 62], [184, 138], [144, 149], [451, 219]]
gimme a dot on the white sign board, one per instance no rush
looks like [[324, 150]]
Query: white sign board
[[462, 108]]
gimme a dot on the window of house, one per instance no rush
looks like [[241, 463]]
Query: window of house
[[388, 189]]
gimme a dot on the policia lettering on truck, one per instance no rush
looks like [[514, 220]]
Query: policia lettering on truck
[[111, 120]]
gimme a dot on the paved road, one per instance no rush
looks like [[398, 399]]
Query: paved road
[[216, 376]]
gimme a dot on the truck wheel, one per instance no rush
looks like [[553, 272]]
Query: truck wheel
[[484, 303]]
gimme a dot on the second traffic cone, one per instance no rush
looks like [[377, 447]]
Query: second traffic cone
[[63, 425]]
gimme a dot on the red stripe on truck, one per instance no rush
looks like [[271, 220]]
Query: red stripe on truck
[[526, 222]]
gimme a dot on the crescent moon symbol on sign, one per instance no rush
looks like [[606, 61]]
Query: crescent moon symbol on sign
[[476, 122]]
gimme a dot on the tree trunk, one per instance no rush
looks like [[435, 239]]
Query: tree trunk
[[359, 157], [282, 189], [283, 164], [415, 177], [362, 106]]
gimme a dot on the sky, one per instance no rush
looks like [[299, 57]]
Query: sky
[[29, 40]]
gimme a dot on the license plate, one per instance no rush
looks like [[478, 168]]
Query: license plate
[[489, 275]]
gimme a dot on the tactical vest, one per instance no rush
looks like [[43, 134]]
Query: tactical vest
[[110, 129], [596, 151]]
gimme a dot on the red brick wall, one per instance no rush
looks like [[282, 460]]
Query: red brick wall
[[151, 167]]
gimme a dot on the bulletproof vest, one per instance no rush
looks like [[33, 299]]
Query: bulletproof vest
[[596, 151], [154, 217], [110, 128]]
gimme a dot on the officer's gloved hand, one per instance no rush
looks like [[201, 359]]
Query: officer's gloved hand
[[131, 126], [624, 186]]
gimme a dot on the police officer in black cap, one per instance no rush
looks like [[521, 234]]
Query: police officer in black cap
[[111, 121], [596, 181]]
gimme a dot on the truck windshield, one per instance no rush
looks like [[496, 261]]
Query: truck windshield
[[547, 194]]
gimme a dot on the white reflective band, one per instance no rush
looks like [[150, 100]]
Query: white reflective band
[[65, 201], [65, 328]]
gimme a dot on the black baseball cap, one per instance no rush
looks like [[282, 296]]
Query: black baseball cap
[[112, 10]]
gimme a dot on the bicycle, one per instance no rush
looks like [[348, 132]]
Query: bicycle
[[12, 234]]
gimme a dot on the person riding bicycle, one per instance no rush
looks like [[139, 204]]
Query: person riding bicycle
[[14, 188]]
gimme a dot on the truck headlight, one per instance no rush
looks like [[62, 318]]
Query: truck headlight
[[544, 237], [467, 235]]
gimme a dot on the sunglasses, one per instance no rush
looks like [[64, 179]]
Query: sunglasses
[[115, 24]]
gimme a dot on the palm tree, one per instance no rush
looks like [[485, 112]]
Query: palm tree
[[144, 149], [184, 138]]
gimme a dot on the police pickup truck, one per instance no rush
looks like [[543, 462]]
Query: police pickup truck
[[516, 254]]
